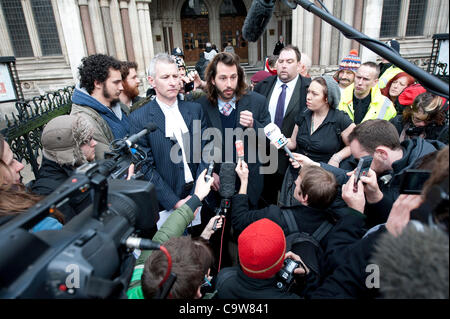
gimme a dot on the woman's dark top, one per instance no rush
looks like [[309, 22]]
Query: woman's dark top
[[326, 139]]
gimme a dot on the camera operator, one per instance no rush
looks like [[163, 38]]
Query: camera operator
[[191, 259], [67, 143], [262, 254], [14, 197], [424, 118], [379, 139]]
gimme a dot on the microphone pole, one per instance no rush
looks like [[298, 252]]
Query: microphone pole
[[433, 83]]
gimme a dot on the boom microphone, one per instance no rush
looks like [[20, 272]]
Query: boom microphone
[[273, 133], [150, 127], [257, 19]]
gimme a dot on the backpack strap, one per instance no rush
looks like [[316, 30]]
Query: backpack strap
[[322, 231], [289, 219]]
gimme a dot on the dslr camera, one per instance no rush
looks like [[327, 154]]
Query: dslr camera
[[286, 274]]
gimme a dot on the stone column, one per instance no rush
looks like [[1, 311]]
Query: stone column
[[357, 20], [297, 28], [107, 25], [308, 32], [348, 8], [73, 33], [31, 26], [316, 38], [136, 35], [123, 4], [335, 34], [325, 37], [146, 32], [372, 25], [87, 27], [116, 22], [97, 27]]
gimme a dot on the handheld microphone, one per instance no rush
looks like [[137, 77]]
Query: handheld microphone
[[150, 127], [209, 172], [257, 19], [227, 186], [273, 133], [239, 149]]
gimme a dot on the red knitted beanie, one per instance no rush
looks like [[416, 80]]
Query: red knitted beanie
[[261, 247]]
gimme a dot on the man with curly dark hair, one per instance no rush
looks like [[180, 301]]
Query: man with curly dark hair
[[97, 99]]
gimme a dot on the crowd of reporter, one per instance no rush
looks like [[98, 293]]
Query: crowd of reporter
[[377, 242]]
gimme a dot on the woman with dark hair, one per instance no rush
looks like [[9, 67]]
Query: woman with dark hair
[[14, 197], [395, 87], [424, 118], [321, 130]]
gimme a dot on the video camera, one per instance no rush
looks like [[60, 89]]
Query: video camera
[[125, 152], [90, 256]]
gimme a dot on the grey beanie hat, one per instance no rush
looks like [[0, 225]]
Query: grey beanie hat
[[62, 138], [334, 92]]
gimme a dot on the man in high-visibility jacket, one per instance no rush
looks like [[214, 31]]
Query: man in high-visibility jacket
[[363, 100]]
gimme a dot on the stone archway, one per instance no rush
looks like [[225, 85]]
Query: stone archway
[[194, 28], [232, 16]]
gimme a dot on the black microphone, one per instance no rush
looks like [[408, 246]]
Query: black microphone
[[227, 180], [227, 177], [257, 19], [150, 127]]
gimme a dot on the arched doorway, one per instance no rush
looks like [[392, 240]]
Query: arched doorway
[[232, 16], [195, 29]]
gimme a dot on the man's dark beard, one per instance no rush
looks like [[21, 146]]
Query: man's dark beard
[[221, 95], [107, 96]]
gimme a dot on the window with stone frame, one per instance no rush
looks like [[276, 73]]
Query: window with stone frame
[[43, 24], [46, 27], [403, 18]]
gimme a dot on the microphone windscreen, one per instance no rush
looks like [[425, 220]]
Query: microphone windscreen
[[151, 127], [257, 19], [227, 177]]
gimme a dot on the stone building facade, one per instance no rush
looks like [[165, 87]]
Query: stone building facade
[[50, 37]]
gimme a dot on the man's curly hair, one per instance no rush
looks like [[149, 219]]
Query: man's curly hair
[[96, 68]]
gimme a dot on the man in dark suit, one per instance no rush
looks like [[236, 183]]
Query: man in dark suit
[[174, 148], [228, 106], [233, 113], [285, 96]]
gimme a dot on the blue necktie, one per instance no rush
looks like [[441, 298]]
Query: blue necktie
[[279, 113]]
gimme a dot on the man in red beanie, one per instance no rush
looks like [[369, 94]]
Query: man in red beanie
[[262, 251]]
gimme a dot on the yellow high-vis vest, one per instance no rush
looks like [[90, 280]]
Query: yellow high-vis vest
[[380, 106]]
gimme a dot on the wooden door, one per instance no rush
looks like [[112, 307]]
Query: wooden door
[[195, 35], [231, 31]]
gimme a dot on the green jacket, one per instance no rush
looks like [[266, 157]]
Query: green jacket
[[174, 226], [380, 106]]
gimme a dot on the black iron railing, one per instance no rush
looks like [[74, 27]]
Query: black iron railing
[[23, 130]]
